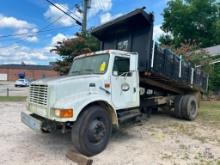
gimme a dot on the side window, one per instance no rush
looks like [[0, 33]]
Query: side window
[[121, 65]]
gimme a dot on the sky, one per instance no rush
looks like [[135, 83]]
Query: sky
[[29, 29]]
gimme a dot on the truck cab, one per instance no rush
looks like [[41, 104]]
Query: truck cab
[[105, 81]]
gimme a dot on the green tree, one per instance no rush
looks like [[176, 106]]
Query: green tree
[[70, 48], [214, 79], [191, 21], [191, 52]]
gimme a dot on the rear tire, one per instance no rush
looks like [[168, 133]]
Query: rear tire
[[178, 106], [189, 107], [91, 133]]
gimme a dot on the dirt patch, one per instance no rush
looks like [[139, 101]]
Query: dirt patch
[[159, 140]]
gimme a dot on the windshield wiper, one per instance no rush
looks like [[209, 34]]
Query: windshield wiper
[[90, 71], [77, 71], [86, 71]]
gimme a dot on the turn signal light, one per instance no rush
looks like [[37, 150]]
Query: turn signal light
[[107, 85], [64, 113]]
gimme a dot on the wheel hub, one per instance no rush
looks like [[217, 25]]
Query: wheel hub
[[97, 131]]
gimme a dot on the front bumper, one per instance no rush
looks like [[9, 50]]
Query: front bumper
[[40, 110], [45, 113], [31, 122]]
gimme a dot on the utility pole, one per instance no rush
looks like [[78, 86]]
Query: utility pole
[[86, 5]]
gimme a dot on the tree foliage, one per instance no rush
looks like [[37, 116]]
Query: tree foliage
[[191, 21], [214, 79], [70, 48], [191, 52]]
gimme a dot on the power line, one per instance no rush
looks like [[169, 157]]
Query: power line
[[57, 19], [79, 23], [42, 29], [30, 35], [17, 41], [45, 27], [1, 47], [39, 31], [51, 23], [69, 11]]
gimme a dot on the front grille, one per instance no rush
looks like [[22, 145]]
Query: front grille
[[38, 94]]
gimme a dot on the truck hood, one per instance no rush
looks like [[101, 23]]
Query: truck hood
[[69, 86], [61, 79]]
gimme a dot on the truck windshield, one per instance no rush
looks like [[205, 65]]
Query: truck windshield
[[96, 64]]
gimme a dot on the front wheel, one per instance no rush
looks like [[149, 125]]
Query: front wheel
[[91, 133]]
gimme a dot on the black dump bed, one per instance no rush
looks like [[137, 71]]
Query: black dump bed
[[159, 68]]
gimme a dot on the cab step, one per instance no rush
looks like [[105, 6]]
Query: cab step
[[128, 114]]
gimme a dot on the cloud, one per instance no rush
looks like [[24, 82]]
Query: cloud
[[20, 27], [98, 6], [15, 54], [11, 22], [158, 32], [31, 55], [53, 14], [59, 37], [108, 17]]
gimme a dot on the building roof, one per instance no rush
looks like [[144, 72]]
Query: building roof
[[214, 50], [26, 67], [133, 19]]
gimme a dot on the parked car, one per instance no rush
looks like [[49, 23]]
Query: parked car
[[22, 83]]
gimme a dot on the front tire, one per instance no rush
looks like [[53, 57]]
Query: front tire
[[91, 133]]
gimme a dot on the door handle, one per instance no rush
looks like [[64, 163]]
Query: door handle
[[135, 90], [91, 84]]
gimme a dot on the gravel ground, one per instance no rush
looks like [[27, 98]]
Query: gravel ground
[[159, 140], [13, 91]]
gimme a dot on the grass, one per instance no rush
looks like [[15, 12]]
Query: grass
[[12, 98], [210, 111]]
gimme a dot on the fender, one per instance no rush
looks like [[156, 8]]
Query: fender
[[79, 102]]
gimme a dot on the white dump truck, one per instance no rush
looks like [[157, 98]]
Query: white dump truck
[[108, 87]]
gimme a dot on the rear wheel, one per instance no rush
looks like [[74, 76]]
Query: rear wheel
[[91, 133], [178, 106], [189, 107]]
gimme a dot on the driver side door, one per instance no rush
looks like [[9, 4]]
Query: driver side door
[[124, 84]]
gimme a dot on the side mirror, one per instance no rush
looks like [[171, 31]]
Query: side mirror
[[133, 62]]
